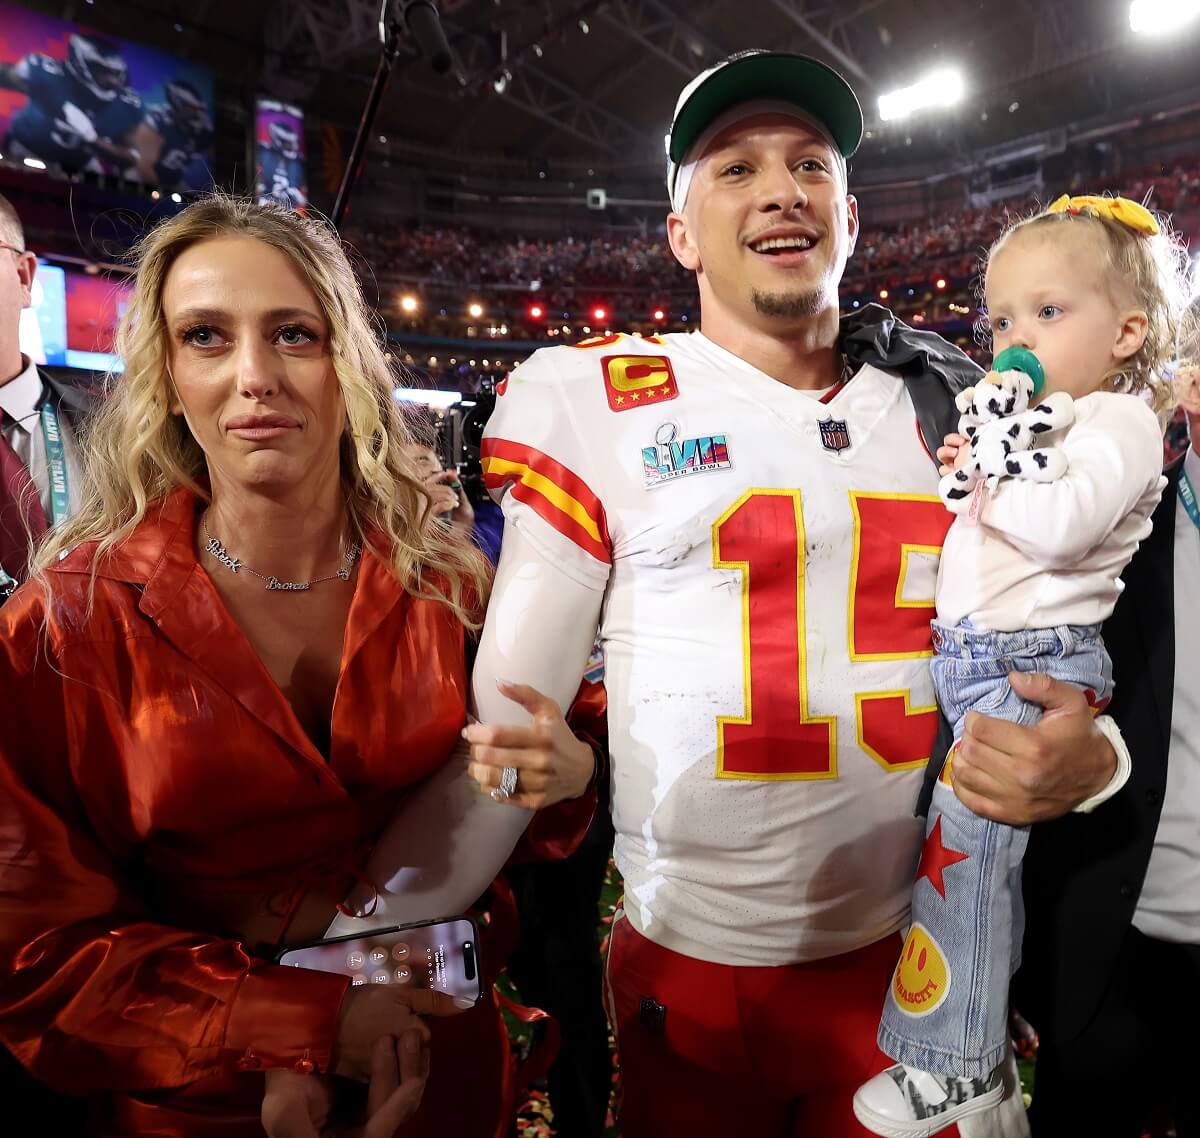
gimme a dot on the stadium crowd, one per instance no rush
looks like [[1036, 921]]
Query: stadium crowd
[[637, 268]]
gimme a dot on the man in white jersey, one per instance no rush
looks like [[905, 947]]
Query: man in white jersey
[[750, 515]]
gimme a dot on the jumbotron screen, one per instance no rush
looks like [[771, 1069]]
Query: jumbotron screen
[[73, 319], [73, 100]]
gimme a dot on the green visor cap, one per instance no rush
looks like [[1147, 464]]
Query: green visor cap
[[814, 88]]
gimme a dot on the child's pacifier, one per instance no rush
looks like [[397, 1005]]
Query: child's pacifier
[[1018, 359]]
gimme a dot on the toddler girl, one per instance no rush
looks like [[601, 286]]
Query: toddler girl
[[1029, 572]]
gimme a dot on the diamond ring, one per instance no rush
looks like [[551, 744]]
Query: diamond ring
[[508, 784]]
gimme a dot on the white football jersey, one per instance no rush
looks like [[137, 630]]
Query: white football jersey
[[768, 559]]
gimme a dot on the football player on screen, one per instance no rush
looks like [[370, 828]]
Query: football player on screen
[[280, 167], [80, 111], [172, 136]]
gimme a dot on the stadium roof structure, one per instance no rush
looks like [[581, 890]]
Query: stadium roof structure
[[571, 84]]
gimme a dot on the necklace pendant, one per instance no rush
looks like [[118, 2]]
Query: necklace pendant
[[223, 556], [274, 583]]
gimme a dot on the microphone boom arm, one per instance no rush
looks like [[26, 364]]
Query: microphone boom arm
[[420, 18]]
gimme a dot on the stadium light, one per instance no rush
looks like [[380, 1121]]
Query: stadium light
[[941, 88], [599, 314], [1160, 17], [940, 283], [475, 309], [408, 303], [659, 314], [536, 312], [884, 294]]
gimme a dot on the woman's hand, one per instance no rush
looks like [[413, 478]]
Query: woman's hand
[[296, 1106], [953, 453], [372, 1013], [552, 765], [299, 1106]]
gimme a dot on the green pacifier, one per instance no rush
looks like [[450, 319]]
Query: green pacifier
[[1023, 360]]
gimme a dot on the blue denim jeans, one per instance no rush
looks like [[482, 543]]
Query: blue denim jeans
[[947, 1009]]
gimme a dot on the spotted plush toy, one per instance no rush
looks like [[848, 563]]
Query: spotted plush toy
[[1003, 428]]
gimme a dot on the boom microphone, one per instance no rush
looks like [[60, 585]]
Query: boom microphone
[[420, 18], [424, 25]]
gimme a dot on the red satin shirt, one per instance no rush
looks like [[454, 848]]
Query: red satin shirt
[[155, 784]]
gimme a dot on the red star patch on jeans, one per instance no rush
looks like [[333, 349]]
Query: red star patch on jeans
[[936, 858]]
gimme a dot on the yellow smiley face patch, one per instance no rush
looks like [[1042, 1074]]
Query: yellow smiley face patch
[[922, 977]]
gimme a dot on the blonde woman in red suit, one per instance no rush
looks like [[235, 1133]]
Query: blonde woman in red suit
[[229, 668]]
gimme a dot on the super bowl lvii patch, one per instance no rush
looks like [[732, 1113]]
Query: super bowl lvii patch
[[671, 458]]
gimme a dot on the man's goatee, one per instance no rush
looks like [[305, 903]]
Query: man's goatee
[[788, 304]]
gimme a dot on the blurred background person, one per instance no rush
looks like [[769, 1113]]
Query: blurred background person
[[448, 501], [40, 469], [1111, 970]]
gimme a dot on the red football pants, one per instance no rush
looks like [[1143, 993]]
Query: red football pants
[[768, 1052]]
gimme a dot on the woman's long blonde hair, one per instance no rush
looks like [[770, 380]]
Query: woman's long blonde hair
[[137, 452]]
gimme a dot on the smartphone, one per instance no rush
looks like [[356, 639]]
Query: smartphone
[[439, 955]]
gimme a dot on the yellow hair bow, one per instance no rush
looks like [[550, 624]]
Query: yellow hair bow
[[1127, 213]]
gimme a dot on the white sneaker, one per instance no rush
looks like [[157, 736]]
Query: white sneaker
[[903, 1102]]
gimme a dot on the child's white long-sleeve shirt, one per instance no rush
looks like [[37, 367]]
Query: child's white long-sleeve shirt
[[1041, 554]]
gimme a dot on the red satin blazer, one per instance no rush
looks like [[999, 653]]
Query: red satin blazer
[[153, 782]]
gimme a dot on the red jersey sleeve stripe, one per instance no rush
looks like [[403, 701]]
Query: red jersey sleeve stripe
[[558, 495], [566, 480]]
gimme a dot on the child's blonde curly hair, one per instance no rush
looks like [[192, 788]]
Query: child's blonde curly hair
[[1146, 270]]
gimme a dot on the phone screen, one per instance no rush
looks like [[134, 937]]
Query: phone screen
[[442, 956]]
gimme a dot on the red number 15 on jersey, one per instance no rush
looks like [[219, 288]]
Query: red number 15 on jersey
[[779, 736]]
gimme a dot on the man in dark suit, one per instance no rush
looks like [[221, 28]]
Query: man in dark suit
[[40, 469], [34, 447], [1111, 971]]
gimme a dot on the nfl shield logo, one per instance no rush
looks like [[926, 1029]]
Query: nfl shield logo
[[834, 435]]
